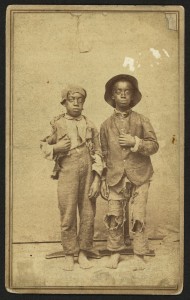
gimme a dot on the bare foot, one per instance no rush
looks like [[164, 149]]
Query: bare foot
[[83, 261], [113, 261], [68, 264]]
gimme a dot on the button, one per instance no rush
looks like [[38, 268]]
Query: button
[[124, 160]]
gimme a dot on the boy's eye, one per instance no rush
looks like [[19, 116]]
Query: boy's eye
[[71, 99], [79, 100], [117, 91], [126, 92]]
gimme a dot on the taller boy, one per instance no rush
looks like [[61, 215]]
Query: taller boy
[[127, 140]]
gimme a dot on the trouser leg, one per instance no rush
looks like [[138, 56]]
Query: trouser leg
[[138, 206], [116, 217], [68, 185], [114, 221], [86, 206]]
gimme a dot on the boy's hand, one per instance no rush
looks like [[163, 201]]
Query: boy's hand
[[104, 190], [95, 188], [126, 140], [62, 146]]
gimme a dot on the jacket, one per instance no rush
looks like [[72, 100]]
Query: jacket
[[119, 160], [59, 131]]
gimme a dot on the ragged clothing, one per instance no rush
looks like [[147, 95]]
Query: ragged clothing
[[80, 131], [74, 171], [75, 179], [134, 161], [128, 171], [116, 216]]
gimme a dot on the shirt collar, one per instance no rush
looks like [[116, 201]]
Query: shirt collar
[[122, 114], [68, 117]]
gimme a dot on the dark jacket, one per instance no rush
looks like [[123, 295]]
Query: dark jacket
[[136, 165]]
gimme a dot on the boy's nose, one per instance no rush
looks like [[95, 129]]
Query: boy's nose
[[122, 93], [75, 102]]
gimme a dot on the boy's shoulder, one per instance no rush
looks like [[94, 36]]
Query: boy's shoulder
[[56, 119], [139, 116], [59, 120], [107, 121], [89, 123]]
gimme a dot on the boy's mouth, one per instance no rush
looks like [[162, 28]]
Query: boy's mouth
[[75, 110]]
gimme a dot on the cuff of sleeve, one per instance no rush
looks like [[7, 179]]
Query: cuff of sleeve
[[137, 142], [97, 165]]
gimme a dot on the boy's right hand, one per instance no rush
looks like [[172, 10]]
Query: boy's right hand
[[104, 190], [62, 146]]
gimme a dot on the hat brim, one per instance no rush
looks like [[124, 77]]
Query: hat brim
[[109, 86]]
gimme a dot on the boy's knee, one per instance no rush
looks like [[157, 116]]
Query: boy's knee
[[138, 226], [113, 222]]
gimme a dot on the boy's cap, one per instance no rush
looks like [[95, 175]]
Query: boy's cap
[[109, 86], [72, 89]]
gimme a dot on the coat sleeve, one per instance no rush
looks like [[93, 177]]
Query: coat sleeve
[[97, 164], [46, 144], [103, 141], [104, 147], [147, 145]]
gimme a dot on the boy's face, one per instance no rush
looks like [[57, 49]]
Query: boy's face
[[74, 104], [122, 94]]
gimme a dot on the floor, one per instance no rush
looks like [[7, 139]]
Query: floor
[[30, 268]]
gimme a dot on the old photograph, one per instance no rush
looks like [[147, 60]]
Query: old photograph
[[94, 149]]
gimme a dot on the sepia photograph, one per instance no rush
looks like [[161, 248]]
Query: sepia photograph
[[94, 149]]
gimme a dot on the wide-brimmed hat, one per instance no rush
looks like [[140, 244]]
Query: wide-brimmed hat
[[109, 88], [72, 89]]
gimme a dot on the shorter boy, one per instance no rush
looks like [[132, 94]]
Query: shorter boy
[[127, 140], [74, 145]]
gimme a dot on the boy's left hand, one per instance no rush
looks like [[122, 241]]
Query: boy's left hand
[[95, 188], [126, 140]]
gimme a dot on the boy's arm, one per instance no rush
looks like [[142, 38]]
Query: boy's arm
[[97, 165], [51, 148], [47, 144], [104, 190], [54, 144], [147, 145], [104, 147]]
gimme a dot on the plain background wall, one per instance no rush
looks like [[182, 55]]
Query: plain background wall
[[53, 49]]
